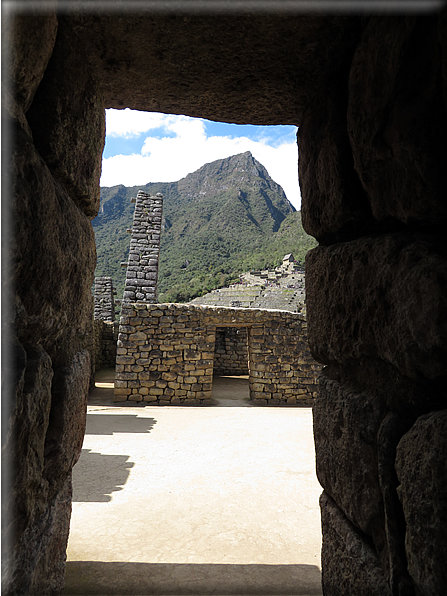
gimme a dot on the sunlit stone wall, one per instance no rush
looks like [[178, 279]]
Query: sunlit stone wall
[[165, 354]]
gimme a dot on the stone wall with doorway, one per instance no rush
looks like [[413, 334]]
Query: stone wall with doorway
[[166, 352], [231, 351]]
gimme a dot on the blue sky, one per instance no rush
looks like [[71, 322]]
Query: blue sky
[[144, 147]]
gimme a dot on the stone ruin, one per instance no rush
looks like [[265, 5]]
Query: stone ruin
[[105, 328], [165, 353], [104, 302], [282, 288], [142, 264]]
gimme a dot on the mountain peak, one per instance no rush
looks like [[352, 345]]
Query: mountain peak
[[227, 217]]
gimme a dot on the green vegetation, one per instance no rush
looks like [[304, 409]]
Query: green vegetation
[[227, 218]]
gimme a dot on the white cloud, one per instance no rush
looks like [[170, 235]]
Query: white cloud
[[130, 123], [170, 158]]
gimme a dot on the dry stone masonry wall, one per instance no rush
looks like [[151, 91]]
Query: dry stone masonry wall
[[104, 299], [105, 337], [142, 265], [231, 351], [165, 354]]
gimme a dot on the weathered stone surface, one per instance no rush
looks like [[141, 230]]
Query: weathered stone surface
[[349, 562], [68, 120], [380, 296], [334, 205], [397, 119], [63, 441], [28, 41], [53, 256], [346, 424], [391, 430], [24, 506], [421, 466], [45, 582], [268, 74]]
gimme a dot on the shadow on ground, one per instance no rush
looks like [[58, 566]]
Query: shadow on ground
[[105, 474], [88, 578], [107, 424]]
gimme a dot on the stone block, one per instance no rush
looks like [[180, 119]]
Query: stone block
[[258, 387], [421, 466], [205, 378], [380, 297], [346, 425], [126, 376], [349, 564], [70, 145], [169, 376], [155, 391], [139, 335], [402, 183], [190, 379]]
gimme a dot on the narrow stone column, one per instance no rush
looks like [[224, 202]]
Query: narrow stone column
[[142, 266], [104, 301]]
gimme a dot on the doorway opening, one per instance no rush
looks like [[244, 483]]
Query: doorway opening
[[231, 367]]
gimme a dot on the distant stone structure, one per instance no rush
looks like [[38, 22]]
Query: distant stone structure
[[290, 272], [166, 354], [142, 265], [105, 328], [289, 265], [104, 302], [282, 288]]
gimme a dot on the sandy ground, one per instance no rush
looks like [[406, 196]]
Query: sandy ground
[[195, 500]]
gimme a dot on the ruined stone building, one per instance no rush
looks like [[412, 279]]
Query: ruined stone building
[[368, 91]]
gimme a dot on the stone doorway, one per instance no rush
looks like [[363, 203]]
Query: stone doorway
[[231, 353], [231, 387]]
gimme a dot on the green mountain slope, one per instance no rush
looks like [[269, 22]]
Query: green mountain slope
[[226, 218]]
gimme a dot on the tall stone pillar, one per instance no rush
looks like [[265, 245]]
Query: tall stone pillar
[[104, 301], [142, 265]]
